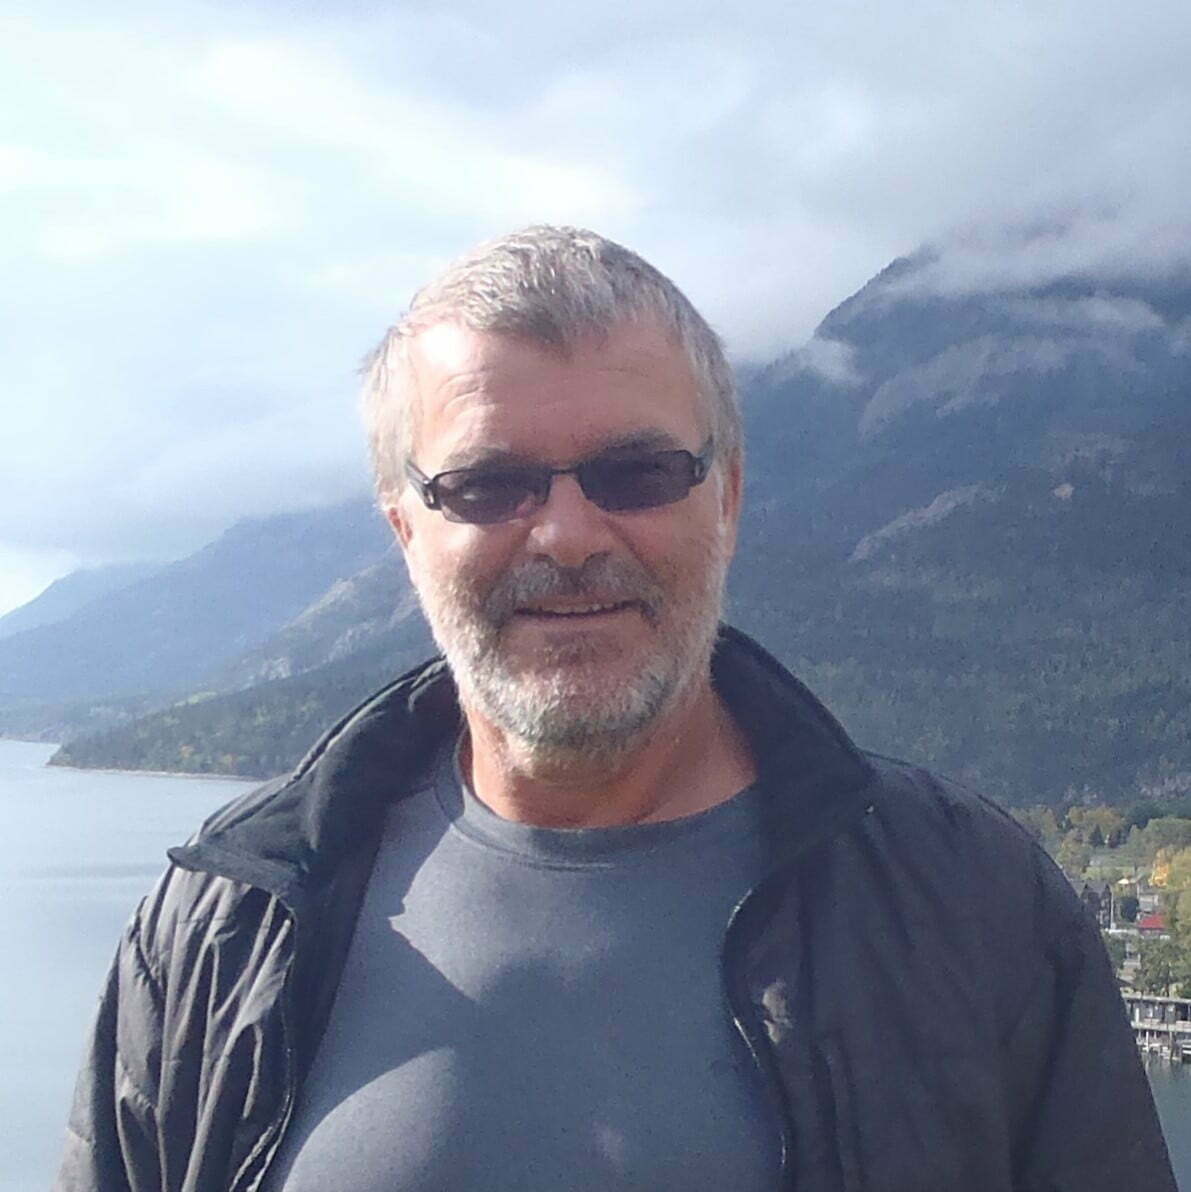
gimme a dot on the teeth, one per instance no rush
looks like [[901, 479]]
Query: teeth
[[579, 611]]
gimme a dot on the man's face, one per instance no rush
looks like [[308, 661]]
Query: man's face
[[570, 628]]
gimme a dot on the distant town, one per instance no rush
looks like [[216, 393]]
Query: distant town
[[1132, 869]]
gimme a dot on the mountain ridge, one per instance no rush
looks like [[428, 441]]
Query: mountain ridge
[[71, 593]]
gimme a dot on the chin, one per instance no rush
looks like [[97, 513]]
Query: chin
[[578, 708]]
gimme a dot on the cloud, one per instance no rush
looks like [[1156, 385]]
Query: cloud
[[1097, 315], [162, 195], [411, 148], [213, 210], [1130, 242], [834, 360]]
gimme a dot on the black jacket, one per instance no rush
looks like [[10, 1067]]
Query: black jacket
[[931, 1007]]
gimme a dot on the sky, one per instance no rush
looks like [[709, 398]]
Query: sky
[[209, 212]]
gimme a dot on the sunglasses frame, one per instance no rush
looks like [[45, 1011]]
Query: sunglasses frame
[[428, 490]]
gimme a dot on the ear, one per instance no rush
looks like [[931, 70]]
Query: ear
[[730, 497], [398, 519], [732, 491]]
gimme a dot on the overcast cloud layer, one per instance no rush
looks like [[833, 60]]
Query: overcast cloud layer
[[211, 212]]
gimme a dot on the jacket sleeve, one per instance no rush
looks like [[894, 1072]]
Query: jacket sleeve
[[111, 1135], [1086, 1117]]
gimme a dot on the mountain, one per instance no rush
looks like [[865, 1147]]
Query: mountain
[[358, 614], [975, 506], [71, 593], [257, 732], [260, 713], [966, 528], [168, 631], [905, 393]]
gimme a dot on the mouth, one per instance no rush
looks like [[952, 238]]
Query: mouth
[[589, 611]]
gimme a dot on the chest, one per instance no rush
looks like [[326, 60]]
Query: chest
[[505, 1021]]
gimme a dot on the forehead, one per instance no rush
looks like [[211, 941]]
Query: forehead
[[480, 393]]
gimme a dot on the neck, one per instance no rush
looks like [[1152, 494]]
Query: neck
[[690, 760]]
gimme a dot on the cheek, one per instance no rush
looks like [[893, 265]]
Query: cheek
[[459, 559], [684, 557]]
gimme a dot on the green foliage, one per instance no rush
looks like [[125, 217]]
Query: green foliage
[[1042, 824], [1127, 908], [1096, 824], [1030, 675], [1140, 814], [1073, 855], [1115, 946], [1161, 965], [255, 733], [1167, 832]]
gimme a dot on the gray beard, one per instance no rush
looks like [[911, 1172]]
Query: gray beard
[[562, 717]]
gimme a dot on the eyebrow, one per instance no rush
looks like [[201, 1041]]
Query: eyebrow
[[640, 440]]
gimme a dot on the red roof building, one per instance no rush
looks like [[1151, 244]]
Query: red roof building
[[1155, 921]]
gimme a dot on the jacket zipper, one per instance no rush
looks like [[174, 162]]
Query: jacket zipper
[[747, 1027], [743, 1010]]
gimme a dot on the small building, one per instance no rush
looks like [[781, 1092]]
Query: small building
[[1152, 925], [1098, 900]]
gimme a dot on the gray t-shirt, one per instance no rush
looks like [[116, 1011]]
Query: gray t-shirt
[[538, 1010]]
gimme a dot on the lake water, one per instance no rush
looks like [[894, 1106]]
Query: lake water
[[78, 851]]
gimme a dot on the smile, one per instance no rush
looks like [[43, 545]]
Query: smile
[[578, 610]]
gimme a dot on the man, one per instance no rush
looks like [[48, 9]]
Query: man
[[607, 900]]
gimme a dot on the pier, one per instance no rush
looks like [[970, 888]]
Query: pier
[[1161, 1024]]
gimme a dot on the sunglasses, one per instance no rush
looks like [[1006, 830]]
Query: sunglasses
[[618, 482]]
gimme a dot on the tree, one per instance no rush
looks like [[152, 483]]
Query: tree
[[1182, 973], [1097, 824], [1115, 946], [1140, 814], [1177, 900], [1073, 855], [1127, 908], [1168, 832], [1160, 966], [1040, 822]]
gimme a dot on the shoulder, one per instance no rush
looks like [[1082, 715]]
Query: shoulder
[[187, 913], [972, 888], [188, 907], [981, 856], [241, 807], [912, 798], [187, 897]]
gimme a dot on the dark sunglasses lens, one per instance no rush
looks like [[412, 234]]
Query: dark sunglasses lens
[[620, 484], [480, 496]]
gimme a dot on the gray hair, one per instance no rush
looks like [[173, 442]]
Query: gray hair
[[550, 286]]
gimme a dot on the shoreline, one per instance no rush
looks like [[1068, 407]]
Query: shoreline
[[160, 773], [56, 745]]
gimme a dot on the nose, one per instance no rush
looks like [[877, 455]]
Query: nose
[[569, 528]]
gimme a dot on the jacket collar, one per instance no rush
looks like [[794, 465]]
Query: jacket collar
[[291, 834]]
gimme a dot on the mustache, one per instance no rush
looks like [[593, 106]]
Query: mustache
[[601, 579]]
